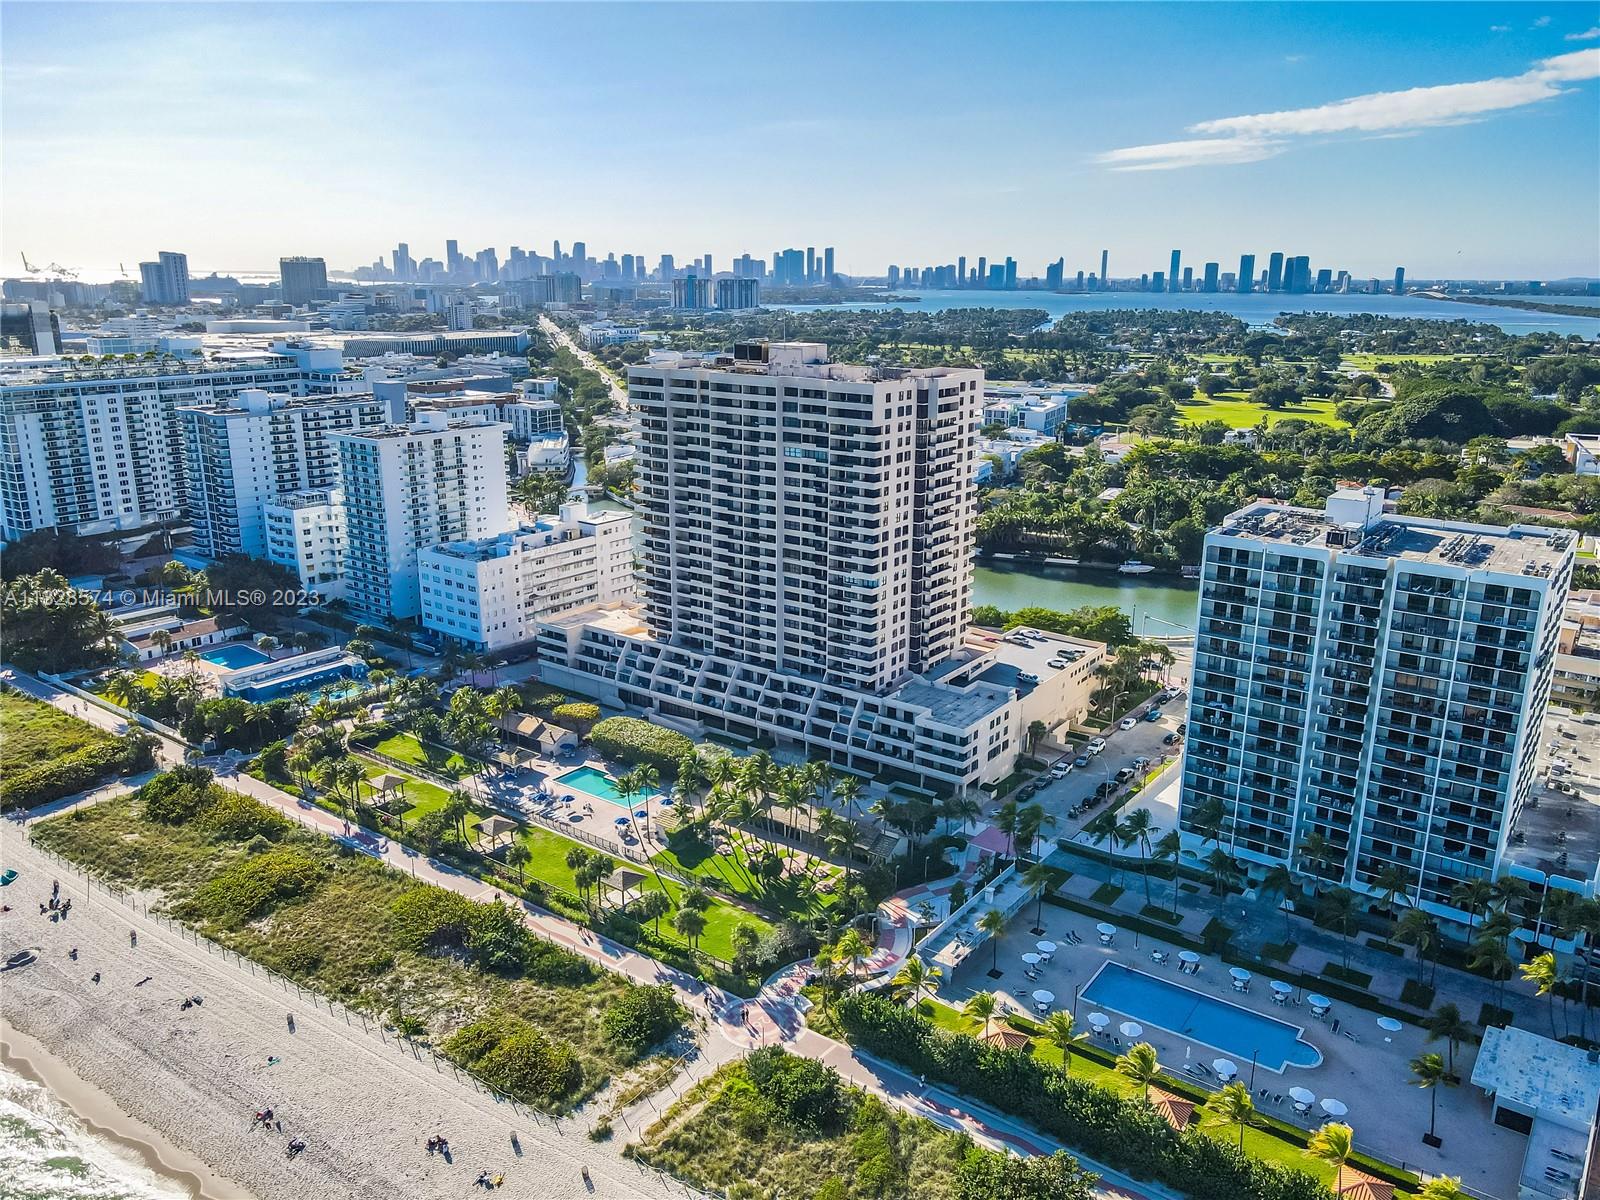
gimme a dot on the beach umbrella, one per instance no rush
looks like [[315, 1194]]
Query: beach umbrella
[[620, 821], [1279, 985], [1389, 1024], [1045, 947], [1099, 1020], [1334, 1108], [1106, 928], [640, 813], [1131, 1029], [1317, 1000], [1302, 1095], [1044, 997], [1032, 959], [1225, 1067], [1240, 974], [1188, 956]]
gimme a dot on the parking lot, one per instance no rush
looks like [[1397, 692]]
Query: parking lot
[[1122, 749]]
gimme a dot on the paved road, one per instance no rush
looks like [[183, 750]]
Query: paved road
[[559, 335]]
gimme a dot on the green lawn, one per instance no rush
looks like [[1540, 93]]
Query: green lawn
[[687, 855], [404, 747], [32, 732], [549, 866], [1371, 362], [421, 796], [1235, 410]]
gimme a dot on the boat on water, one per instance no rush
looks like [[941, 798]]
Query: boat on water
[[1135, 568]]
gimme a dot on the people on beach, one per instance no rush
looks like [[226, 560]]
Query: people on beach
[[587, 1182], [73, 954], [296, 1145], [263, 1117], [95, 978], [133, 937], [289, 1020]]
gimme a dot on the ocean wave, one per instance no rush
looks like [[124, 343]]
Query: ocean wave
[[47, 1153]]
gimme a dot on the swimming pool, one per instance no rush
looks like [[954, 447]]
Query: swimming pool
[[1237, 1032], [594, 781], [234, 656]]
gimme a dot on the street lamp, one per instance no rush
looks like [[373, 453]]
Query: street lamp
[[1075, 988], [1253, 1056]]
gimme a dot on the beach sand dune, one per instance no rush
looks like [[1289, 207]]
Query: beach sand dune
[[363, 1105]]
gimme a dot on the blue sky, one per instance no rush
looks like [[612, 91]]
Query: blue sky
[[1455, 139]]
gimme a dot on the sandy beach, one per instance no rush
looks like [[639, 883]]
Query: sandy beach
[[180, 1086]]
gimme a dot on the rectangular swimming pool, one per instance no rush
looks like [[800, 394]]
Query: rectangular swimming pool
[[1237, 1032], [595, 782], [235, 655]]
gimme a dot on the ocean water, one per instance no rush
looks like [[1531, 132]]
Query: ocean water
[[46, 1153]]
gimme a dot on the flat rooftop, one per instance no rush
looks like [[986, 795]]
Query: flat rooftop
[[950, 704], [1537, 1076], [1514, 550]]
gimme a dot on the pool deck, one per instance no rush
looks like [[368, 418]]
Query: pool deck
[[1370, 1074]]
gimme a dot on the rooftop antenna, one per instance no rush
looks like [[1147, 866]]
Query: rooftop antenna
[[28, 266]]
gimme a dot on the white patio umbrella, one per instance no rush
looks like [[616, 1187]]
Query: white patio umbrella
[[1302, 1095], [1317, 1000], [1279, 985], [1106, 928], [1188, 956], [1045, 947], [1032, 959], [1334, 1108], [1044, 997], [1390, 1024], [1099, 1020], [1240, 974], [1131, 1029], [1225, 1067]]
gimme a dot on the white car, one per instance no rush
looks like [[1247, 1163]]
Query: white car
[[1095, 746], [1061, 770], [1126, 724], [1055, 664]]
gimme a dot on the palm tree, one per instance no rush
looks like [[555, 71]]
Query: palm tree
[[652, 906], [915, 977], [1334, 1144], [993, 923], [1448, 1023], [1037, 880], [1545, 973], [1427, 1072], [1135, 831], [1223, 870], [850, 948], [1490, 956], [518, 856], [1392, 883], [1036, 732], [123, 688], [577, 861], [1280, 882], [1232, 1106], [1473, 895], [1167, 849], [1339, 910], [689, 923], [1416, 928], [1139, 1064], [1442, 1187], [1104, 830], [1312, 854], [161, 639], [503, 701], [1061, 1031], [979, 1010]]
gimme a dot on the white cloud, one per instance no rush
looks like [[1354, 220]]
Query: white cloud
[[1199, 152], [1257, 136], [1294, 58], [1588, 35], [1499, 29], [1541, 22]]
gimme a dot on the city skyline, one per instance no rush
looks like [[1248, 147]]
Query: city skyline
[[1333, 139]]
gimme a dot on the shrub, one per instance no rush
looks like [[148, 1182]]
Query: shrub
[[429, 918], [579, 717], [497, 939], [636, 741], [239, 818], [543, 702], [1418, 995], [1125, 1134], [640, 1018], [176, 796], [250, 886], [516, 1058], [800, 1091]]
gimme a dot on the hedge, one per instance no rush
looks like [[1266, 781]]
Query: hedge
[[640, 742], [76, 772], [1123, 1133]]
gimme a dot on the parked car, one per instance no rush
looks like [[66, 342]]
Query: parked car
[[1081, 761], [1141, 763], [1096, 745], [1026, 790], [1170, 739], [1124, 775], [1061, 770], [1183, 728], [1126, 723], [1152, 714], [1027, 677], [1056, 664]]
